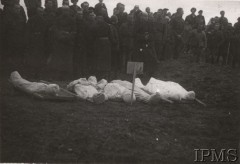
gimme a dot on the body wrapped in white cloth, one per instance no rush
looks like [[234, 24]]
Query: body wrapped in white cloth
[[33, 87], [88, 89], [167, 90]]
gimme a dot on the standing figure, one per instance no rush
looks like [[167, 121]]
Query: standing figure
[[32, 6], [86, 12], [14, 22], [236, 43], [98, 8], [49, 16], [177, 26], [126, 32], [223, 21], [215, 39], [80, 52], [36, 34], [122, 16], [90, 39], [200, 19], [75, 8], [102, 48], [160, 27], [144, 45], [199, 43], [54, 4], [114, 39], [60, 62], [192, 18], [186, 37]]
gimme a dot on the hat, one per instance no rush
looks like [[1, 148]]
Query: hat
[[165, 9]]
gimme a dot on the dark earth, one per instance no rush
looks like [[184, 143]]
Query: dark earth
[[43, 131]]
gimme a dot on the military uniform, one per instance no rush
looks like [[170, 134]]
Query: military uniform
[[144, 47], [200, 20], [199, 44], [75, 9], [192, 19], [98, 9], [61, 59], [235, 45], [215, 39], [36, 44], [177, 26], [115, 55], [126, 43], [80, 52], [14, 22], [160, 28], [102, 49]]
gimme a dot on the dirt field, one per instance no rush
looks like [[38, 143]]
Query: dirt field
[[41, 131]]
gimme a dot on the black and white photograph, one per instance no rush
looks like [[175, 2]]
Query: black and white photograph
[[120, 81]]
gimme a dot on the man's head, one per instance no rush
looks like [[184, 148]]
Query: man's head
[[200, 12], [148, 10], [165, 10], [85, 5], [74, 2], [193, 10], [136, 7], [100, 1], [121, 8], [160, 11], [65, 2], [222, 13], [49, 4], [180, 12]]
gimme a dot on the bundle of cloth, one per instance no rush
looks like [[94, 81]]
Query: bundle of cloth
[[117, 90], [99, 92], [33, 87], [89, 89]]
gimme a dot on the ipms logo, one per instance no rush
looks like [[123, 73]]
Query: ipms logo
[[214, 155]]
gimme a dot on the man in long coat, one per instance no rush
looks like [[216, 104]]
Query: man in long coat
[[36, 35], [144, 45]]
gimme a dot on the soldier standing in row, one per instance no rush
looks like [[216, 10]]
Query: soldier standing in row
[[144, 45], [14, 22], [126, 41], [199, 44], [60, 62], [192, 18], [36, 35], [236, 43], [177, 25]]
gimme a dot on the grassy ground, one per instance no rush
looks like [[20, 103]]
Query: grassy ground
[[41, 131]]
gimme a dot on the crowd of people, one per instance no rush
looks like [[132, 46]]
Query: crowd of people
[[81, 40]]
